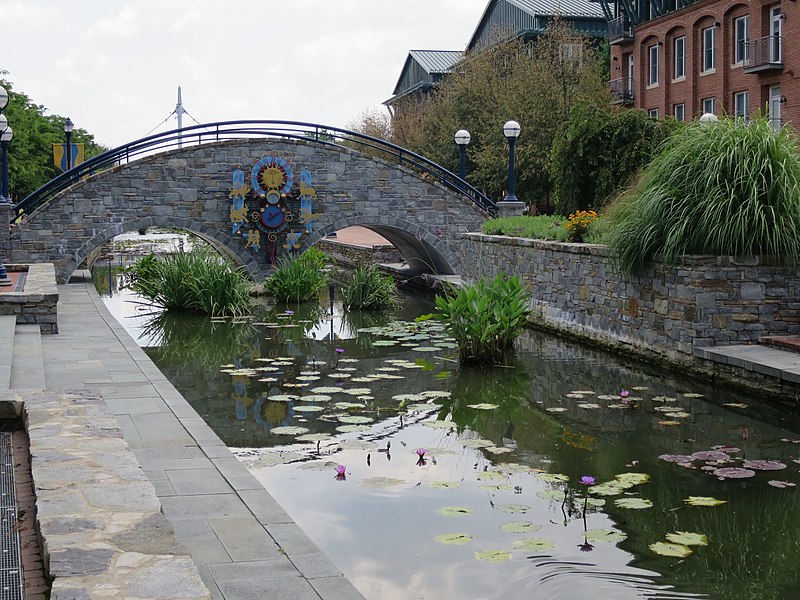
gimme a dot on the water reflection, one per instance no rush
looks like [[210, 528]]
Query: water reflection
[[553, 416]]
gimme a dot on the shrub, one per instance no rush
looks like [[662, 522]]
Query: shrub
[[485, 318], [600, 151], [540, 227], [197, 281], [300, 278], [369, 289], [578, 225], [725, 188]]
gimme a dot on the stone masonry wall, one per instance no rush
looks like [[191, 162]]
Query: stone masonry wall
[[704, 301], [190, 189], [37, 303], [354, 255]]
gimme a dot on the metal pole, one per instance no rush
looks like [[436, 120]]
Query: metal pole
[[4, 194], [512, 184], [68, 149], [462, 162]]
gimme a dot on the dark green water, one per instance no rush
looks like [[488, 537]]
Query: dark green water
[[383, 537]]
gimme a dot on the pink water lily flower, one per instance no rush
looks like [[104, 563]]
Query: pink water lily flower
[[587, 480], [421, 452], [341, 473], [624, 393]]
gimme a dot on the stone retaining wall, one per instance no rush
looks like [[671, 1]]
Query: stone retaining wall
[[37, 303], [354, 255], [704, 301]]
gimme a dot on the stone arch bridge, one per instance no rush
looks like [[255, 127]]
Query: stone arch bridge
[[255, 190]]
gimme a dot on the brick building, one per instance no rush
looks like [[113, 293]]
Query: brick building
[[683, 58]]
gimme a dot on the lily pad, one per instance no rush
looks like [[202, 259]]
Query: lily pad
[[484, 406], [357, 445], [534, 544], [503, 487], [445, 485], [781, 484], [667, 549], [490, 476], [316, 398], [493, 555], [499, 449], [381, 482], [764, 465], [348, 406], [703, 501], [310, 408], [475, 443], [283, 398], [733, 473], [358, 391], [604, 535], [512, 508], [314, 437], [327, 390], [520, 527], [677, 458], [609, 488], [455, 511], [688, 538], [633, 503], [553, 477], [632, 478], [550, 494], [440, 424], [352, 428], [589, 405], [449, 539], [355, 419], [289, 430]]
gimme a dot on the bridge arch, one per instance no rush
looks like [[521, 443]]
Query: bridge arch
[[253, 198]]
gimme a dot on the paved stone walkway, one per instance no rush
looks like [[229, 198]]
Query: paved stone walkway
[[244, 545]]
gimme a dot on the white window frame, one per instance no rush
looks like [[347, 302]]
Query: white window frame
[[679, 111], [652, 65], [776, 31], [679, 54], [741, 35], [653, 113], [741, 105], [709, 49], [775, 106], [709, 105]]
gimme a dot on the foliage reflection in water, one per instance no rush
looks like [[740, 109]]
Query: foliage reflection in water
[[499, 503]]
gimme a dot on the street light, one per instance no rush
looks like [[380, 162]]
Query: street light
[[68, 127], [511, 130], [708, 118], [462, 140], [5, 137]]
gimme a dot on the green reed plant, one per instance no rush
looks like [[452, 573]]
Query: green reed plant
[[369, 289], [725, 188], [298, 278], [485, 318], [197, 281]]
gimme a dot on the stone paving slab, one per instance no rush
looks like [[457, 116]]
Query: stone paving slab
[[770, 361], [243, 543]]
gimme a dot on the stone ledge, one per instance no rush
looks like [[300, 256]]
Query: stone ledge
[[38, 302], [102, 530]]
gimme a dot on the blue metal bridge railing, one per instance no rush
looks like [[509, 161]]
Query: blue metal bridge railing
[[229, 130]]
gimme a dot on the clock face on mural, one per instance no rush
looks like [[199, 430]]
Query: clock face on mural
[[272, 217]]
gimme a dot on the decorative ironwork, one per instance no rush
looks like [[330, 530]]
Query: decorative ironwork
[[620, 30], [764, 54], [621, 90]]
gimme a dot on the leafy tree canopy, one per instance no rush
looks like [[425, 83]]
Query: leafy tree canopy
[[30, 153]]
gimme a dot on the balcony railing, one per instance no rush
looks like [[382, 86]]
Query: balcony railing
[[764, 54], [620, 31], [621, 90]]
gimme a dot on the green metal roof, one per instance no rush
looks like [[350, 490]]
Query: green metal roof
[[422, 69]]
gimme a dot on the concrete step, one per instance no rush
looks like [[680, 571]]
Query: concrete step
[[785, 342], [7, 325], [27, 360]]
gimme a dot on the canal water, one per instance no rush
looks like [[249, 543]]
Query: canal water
[[421, 480]]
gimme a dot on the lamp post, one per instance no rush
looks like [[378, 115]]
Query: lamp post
[[462, 140], [511, 130], [6, 134], [68, 127], [708, 118]]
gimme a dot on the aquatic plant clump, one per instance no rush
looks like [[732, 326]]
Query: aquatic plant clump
[[197, 281], [369, 289], [485, 318], [725, 188], [298, 279]]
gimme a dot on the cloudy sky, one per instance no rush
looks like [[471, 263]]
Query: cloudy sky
[[114, 66]]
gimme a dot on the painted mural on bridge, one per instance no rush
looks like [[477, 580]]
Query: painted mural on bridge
[[273, 207]]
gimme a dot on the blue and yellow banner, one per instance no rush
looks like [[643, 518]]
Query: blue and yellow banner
[[60, 155]]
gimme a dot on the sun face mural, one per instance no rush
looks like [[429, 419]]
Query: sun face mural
[[273, 202]]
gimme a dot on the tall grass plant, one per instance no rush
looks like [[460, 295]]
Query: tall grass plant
[[369, 289], [725, 188], [299, 278]]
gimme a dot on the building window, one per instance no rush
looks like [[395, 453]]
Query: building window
[[741, 101], [775, 106], [709, 47], [776, 31], [741, 35], [679, 49], [653, 113], [652, 66], [709, 106], [679, 111]]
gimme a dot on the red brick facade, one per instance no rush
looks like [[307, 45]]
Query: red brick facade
[[710, 69]]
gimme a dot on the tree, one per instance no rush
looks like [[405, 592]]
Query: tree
[[30, 153], [601, 149], [533, 83]]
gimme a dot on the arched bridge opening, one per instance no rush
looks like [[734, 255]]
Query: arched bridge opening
[[257, 191]]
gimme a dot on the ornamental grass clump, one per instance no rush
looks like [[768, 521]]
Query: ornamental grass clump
[[485, 318], [725, 188], [300, 278], [369, 289], [197, 281]]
